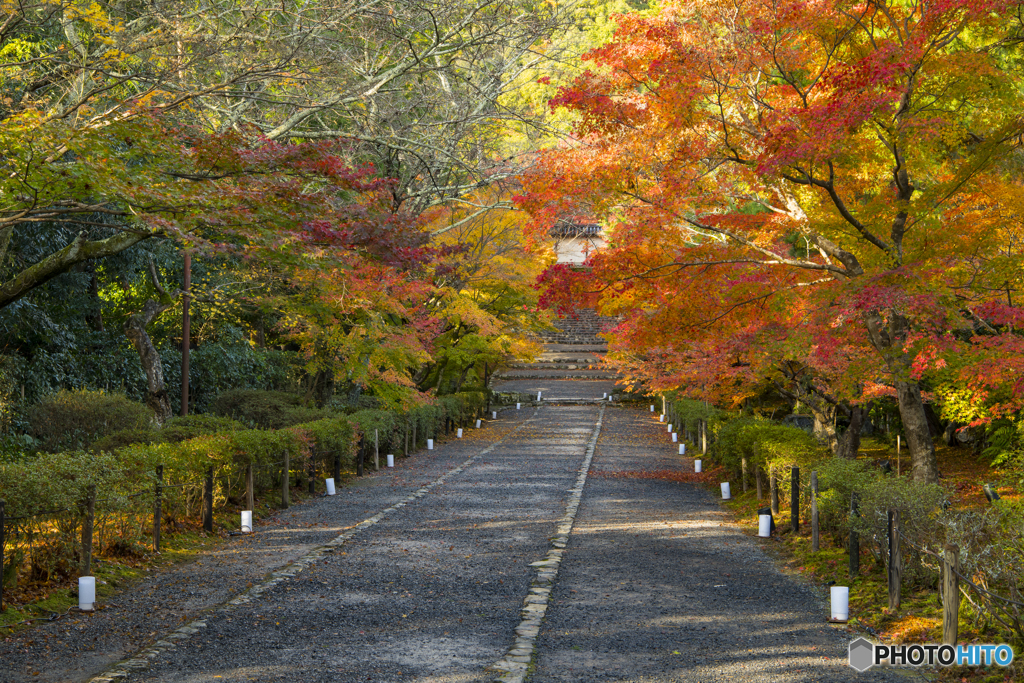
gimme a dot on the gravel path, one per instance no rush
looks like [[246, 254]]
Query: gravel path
[[659, 585], [82, 645], [431, 593], [430, 573]]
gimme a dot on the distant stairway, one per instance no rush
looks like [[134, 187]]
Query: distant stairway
[[569, 368]]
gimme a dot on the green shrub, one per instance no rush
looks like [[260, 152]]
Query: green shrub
[[76, 419], [764, 444], [127, 437], [266, 409], [190, 426]]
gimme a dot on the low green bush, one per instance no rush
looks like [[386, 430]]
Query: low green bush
[[68, 420], [128, 437], [190, 426], [266, 409]]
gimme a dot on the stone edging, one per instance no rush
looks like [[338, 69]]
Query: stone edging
[[515, 664], [142, 659]]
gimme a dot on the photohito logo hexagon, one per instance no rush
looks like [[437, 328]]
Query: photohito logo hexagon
[[862, 654]]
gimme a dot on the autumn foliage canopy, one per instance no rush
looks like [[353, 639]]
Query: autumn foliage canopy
[[822, 196]]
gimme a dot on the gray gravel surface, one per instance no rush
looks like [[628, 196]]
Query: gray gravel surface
[[81, 645], [431, 593], [656, 584], [659, 585]]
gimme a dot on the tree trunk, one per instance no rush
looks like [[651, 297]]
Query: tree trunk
[[157, 397], [923, 465], [887, 334], [850, 443]]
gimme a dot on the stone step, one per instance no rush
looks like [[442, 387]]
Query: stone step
[[557, 374]]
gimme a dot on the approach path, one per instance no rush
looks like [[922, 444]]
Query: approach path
[[654, 584]]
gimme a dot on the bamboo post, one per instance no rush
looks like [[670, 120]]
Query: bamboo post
[[361, 457], [773, 487], [208, 501], [158, 492], [250, 485], [703, 437], [337, 468], [376, 451], [794, 499], [757, 478], [286, 474], [814, 512], [854, 543], [3, 541], [743, 474], [87, 522], [405, 453], [895, 563], [950, 594], [415, 436]]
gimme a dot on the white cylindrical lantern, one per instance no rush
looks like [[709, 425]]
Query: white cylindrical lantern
[[726, 494], [247, 514], [391, 459], [604, 394], [494, 414], [478, 423], [330, 486], [86, 592], [430, 443], [538, 395], [682, 449], [675, 437], [459, 433], [840, 603], [764, 526], [670, 428], [661, 418], [611, 398], [652, 407], [519, 406], [696, 465]]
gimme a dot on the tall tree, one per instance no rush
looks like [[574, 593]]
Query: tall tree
[[838, 159]]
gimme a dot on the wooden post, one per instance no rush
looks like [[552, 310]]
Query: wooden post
[[814, 512], [312, 473], [337, 468], [898, 455], [895, 561], [87, 522], [743, 474], [208, 501], [854, 543], [415, 436], [757, 478], [794, 499], [3, 540], [773, 487], [703, 437], [405, 453], [286, 475], [186, 334], [158, 492], [250, 485], [361, 457], [950, 594], [376, 451]]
